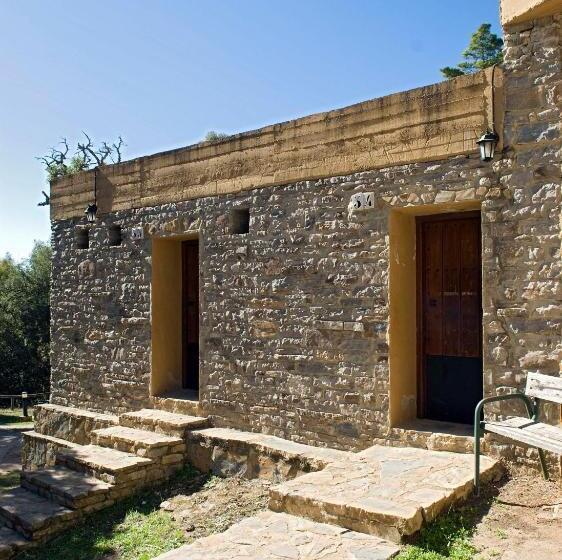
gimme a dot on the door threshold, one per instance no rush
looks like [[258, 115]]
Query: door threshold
[[180, 395], [434, 435], [427, 426]]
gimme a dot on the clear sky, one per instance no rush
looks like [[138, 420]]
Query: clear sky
[[162, 73]]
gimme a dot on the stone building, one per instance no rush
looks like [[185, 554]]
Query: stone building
[[348, 278]]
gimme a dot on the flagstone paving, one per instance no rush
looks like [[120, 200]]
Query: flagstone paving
[[330, 504], [285, 537], [385, 491]]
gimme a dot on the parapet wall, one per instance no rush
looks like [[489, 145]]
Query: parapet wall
[[425, 124], [519, 11]]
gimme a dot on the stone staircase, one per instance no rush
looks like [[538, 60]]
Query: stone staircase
[[352, 503], [75, 479]]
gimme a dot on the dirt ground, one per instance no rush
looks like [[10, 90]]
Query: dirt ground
[[217, 505], [519, 518], [523, 521]]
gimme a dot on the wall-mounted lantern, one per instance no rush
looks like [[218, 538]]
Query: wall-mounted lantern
[[91, 212], [487, 144]]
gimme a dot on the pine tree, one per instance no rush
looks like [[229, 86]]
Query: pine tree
[[484, 50]]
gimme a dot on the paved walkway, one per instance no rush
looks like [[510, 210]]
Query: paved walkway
[[278, 536], [10, 447]]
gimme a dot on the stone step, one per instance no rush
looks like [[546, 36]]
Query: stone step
[[39, 450], [72, 489], [228, 452], [385, 491], [177, 406], [278, 535], [72, 424], [12, 543], [35, 517], [163, 422], [141, 442], [110, 465]]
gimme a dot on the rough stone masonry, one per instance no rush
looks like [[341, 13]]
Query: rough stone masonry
[[294, 320]]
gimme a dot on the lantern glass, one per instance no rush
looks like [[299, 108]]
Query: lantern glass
[[91, 212], [487, 145]]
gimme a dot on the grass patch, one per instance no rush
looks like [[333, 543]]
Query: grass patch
[[9, 480], [132, 529], [447, 538], [9, 416]]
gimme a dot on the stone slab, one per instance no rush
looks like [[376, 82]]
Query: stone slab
[[69, 423], [384, 491], [70, 488], [11, 542], [135, 437], [102, 459], [39, 450], [32, 514], [285, 537], [189, 407], [271, 444], [228, 452], [162, 421]]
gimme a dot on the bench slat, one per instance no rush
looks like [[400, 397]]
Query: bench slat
[[531, 433], [546, 387]]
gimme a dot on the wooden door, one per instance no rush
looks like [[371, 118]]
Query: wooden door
[[190, 314], [449, 317]]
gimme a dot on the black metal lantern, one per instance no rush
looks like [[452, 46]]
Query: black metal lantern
[[487, 144], [91, 212]]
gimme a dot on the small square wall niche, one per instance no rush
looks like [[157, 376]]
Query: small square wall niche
[[240, 221], [115, 236], [82, 238]]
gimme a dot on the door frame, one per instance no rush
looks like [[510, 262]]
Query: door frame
[[421, 398]]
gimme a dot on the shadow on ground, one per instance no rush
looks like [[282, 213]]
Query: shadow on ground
[[132, 529], [450, 535]]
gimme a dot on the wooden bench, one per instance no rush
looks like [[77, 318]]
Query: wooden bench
[[524, 430]]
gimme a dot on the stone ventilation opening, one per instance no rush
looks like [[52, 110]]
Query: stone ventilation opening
[[115, 236], [83, 238], [241, 221]]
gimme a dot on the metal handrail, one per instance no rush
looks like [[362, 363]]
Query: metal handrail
[[19, 395]]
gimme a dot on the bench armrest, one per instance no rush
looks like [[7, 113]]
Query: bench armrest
[[521, 396]]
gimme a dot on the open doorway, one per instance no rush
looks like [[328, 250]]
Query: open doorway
[[175, 318]]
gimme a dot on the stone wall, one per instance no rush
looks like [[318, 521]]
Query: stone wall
[[522, 234], [294, 314]]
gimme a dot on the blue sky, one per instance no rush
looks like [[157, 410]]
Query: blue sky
[[163, 73]]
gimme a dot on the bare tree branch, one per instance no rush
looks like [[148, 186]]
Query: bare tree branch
[[47, 200], [88, 152]]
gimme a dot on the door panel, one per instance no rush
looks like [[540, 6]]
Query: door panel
[[432, 297], [450, 317], [190, 315]]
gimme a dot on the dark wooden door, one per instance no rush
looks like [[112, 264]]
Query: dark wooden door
[[190, 315], [449, 317]]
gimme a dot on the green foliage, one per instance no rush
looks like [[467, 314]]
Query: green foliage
[[132, 529], [446, 538], [450, 72], [213, 136], [24, 322], [9, 417], [9, 480], [484, 50]]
